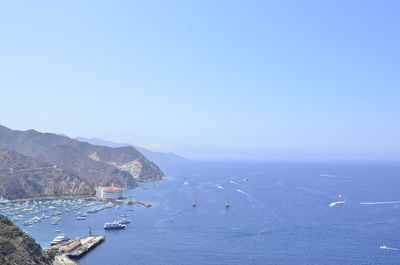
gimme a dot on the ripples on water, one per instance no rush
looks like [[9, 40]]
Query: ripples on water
[[280, 213]]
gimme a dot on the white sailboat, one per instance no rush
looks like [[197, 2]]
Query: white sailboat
[[3, 200]]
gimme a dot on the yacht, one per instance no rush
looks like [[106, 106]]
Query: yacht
[[59, 239], [113, 226]]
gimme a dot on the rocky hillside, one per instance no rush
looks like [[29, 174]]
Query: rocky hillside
[[17, 247], [93, 170], [128, 159], [22, 177], [99, 164]]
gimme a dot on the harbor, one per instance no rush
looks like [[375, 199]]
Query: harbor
[[73, 249], [71, 215]]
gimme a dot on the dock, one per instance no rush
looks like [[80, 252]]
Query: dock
[[87, 244], [74, 249], [134, 201]]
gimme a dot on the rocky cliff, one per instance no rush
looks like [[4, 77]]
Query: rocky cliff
[[18, 248]]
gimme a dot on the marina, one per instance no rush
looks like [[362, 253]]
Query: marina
[[32, 214]]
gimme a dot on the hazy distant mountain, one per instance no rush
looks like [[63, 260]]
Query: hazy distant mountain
[[93, 164], [151, 155], [17, 247]]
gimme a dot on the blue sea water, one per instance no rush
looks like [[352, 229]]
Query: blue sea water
[[281, 215]]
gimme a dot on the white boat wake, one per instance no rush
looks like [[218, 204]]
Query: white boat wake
[[333, 204], [388, 248], [378, 203], [325, 175], [248, 195]]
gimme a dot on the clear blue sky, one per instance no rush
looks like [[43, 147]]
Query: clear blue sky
[[207, 79]]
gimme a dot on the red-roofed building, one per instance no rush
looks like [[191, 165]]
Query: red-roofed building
[[109, 193]]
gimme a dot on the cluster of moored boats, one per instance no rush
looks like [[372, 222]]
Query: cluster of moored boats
[[36, 211]]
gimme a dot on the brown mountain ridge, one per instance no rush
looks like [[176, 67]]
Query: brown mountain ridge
[[75, 167]]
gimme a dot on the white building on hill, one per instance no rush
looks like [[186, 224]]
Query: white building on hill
[[109, 193]]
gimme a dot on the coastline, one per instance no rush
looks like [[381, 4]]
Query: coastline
[[80, 197]]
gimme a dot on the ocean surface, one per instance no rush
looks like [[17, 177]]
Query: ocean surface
[[280, 213]]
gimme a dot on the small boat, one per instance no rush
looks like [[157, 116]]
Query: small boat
[[125, 215], [227, 203], [79, 217], [108, 205], [44, 216], [113, 226], [194, 202], [81, 214], [55, 220], [3, 200], [124, 221]]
